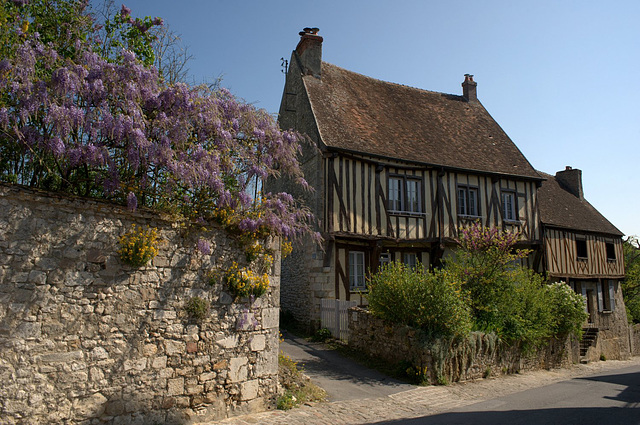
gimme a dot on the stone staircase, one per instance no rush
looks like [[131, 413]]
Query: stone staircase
[[589, 338]]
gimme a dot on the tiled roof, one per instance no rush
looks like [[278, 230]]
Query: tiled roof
[[361, 114], [560, 208]]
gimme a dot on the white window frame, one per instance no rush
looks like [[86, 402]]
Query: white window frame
[[509, 207], [410, 259], [357, 271], [468, 201]]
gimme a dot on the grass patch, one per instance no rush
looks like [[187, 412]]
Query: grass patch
[[298, 388]]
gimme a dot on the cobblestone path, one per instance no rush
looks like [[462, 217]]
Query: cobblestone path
[[422, 401]]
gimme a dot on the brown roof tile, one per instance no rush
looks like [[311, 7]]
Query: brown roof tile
[[361, 114], [560, 208]]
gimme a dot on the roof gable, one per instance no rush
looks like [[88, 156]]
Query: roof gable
[[361, 114], [560, 208]]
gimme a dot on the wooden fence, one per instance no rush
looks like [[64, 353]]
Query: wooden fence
[[333, 316]]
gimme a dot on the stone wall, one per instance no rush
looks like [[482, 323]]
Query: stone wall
[[85, 339], [634, 336], [475, 357]]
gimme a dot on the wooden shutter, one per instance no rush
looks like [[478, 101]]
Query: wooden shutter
[[600, 295], [612, 295]]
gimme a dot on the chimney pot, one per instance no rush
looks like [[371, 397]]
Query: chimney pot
[[309, 50]]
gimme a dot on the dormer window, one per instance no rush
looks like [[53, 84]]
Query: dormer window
[[404, 194]]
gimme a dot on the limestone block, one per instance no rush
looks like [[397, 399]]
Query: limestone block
[[238, 369], [65, 357], [159, 362], [270, 318], [205, 377], [249, 390], [28, 330], [258, 343], [99, 353], [174, 347], [21, 277], [37, 277], [164, 315], [175, 386], [91, 406], [228, 342]]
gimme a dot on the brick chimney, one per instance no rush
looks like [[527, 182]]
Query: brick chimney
[[309, 50], [469, 88], [571, 180]]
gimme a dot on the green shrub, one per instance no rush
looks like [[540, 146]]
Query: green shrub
[[413, 297], [321, 335], [526, 310], [567, 309], [197, 308]]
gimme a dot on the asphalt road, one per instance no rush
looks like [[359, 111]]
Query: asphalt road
[[603, 399], [342, 378]]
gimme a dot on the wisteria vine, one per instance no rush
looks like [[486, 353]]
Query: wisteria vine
[[105, 129]]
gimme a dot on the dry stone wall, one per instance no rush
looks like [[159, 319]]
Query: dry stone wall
[[475, 357], [85, 339]]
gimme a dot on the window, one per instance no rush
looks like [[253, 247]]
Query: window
[[385, 258], [410, 259], [581, 249], [509, 206], [606, 295], [395, 194], [404, 194], [468, 201], [356, 270], [611, 251]]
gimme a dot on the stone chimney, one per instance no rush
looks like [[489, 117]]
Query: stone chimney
[[571, 180], [469, 88], [309, 50]]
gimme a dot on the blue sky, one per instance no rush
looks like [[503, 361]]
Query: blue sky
[[562, 78]]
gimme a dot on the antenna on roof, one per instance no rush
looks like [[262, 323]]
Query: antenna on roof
[[284, 65]]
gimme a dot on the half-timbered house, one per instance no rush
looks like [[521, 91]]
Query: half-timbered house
[[396, 170], [581, 247]]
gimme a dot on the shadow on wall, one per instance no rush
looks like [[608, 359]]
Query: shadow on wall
[[83, 336]]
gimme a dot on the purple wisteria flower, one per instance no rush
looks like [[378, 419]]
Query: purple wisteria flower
[[132, 201], [203, 246]]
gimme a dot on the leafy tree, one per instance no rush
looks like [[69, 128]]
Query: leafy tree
[[631, 283]]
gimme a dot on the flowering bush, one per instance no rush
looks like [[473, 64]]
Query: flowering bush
[[88, 125], [286, 248], [244, 282], [567, 309], [137, 247], [482, 263], [411, 296]]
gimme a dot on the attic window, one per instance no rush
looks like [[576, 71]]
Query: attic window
[[581, 249], [611, 251]]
